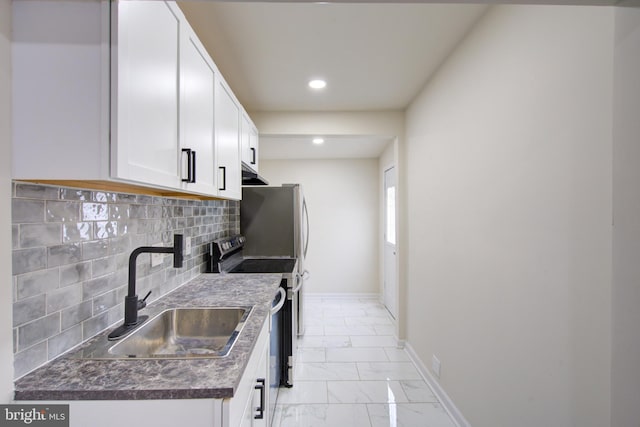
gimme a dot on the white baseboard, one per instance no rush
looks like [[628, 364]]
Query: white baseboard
[[437, 389], [360, 296]]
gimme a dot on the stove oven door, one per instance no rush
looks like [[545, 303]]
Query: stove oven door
[[276, 347]]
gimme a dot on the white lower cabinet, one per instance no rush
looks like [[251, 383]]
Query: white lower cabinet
[[250, 405], [239, 411]]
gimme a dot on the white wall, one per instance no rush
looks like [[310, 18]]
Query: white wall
[[6, 294], [342, 198], [509, 208], [625, 379]]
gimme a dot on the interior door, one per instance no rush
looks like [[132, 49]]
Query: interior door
[[390, 284]]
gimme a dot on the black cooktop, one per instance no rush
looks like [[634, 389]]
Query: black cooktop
[[265, 265]]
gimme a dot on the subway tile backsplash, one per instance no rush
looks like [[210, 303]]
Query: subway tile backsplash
[[71, 250]]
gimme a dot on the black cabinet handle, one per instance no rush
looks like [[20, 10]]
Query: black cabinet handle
[[253, 154], [188, 151], [224, 178], [260, 386], [191, 165]]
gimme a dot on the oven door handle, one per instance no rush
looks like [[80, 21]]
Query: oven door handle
[[301, 279], [283, 298]]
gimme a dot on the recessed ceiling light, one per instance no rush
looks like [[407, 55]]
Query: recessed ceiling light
[[317, 84], [318, 141]]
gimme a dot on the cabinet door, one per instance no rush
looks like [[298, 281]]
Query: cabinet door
[[261, 393], [245, 140], [253, 147], [227, 143], [249, 142], [197, 79], [146, 94]]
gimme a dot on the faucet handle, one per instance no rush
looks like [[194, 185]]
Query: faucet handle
[[143, 303]]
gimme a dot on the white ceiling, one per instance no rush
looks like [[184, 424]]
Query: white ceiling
[[334, 147], [374, 57]]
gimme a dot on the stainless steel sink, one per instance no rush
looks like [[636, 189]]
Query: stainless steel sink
[[179, 333]]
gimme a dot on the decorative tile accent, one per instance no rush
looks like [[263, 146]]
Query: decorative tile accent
[[71, 250], [95, 211], [76, 232]]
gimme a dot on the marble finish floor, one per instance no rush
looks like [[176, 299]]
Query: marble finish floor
[[351, 373]]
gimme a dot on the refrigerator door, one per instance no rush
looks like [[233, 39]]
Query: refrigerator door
[[267, 218], [302, 246], [275, 222]]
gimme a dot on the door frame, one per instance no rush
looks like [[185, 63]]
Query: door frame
[[395, 291]]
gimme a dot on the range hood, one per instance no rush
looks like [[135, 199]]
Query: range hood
[[251, 177]]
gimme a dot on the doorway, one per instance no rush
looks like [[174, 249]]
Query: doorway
[[390, 284]]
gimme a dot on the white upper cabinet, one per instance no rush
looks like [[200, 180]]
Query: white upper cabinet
[[146, 94], [60, 90], [197, 137], [249, 142], [228, 142], [112, 92]]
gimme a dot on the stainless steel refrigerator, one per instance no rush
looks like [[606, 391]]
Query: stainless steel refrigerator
[[275, 222]]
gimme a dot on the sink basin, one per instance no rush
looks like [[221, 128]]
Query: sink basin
[[184, 333]]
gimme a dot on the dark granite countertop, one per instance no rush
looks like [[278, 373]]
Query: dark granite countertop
[[69, 378]]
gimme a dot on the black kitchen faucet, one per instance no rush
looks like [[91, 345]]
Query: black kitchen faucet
[[131, 303]]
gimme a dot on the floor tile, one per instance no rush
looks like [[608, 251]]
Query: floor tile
[[385, 329], [304, 392], [348, 376], [368, 320], [350, 330], [322, 416], [344, 312], [326, 371], [374, 341], [311, 354], [311, 330], [324, 341], [377, 310], [418, 391], [333, 321], [397, 354], [366, 392], [409, 415], [387, 371], [351, 354]]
